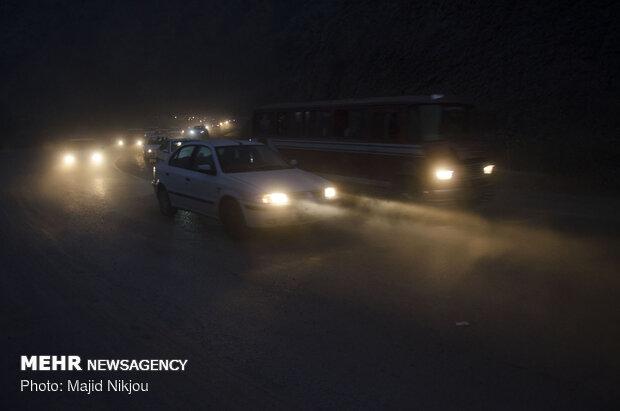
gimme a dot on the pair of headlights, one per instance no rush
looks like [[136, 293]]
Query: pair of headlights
[[443, 174], [120, 142], [282, 199], [69, 159]]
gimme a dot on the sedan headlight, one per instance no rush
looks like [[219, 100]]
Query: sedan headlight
[[68, 159], [96, 158], [443, 174], [329, 193], [277, 199], [149, 150], [488, 169]]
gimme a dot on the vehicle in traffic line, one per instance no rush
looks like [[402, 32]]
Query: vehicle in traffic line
[[169, 145], [82, 152], [198, 132], [151, 147], [244, 184], [421, 147]]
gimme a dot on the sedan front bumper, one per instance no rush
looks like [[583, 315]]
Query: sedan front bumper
[[299, 213]]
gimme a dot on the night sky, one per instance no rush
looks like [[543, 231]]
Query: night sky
[[99, 64]]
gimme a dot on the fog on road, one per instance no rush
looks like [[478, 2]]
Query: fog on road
[[385, 304]]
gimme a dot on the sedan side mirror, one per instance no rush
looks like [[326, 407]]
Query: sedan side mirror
[[205, 168], [293, 163]]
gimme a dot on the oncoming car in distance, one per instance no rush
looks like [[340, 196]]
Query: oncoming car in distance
[[151, 147], [82, 152], [242, 183], [198, 132]]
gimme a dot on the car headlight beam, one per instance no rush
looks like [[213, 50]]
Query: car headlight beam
[[488, 169], [68, 159], [96, 158], [329, 193], [443, 174], [276, 199]]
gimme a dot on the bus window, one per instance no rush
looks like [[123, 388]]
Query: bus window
[[263, 124], [430, 116], [387, 126], [348, 124], [297, 125], [324, 124], [355, 126], [376, 126], [282, 124], [341, 122], [308, 124], [393, 127], [318, 124], [415, 134]]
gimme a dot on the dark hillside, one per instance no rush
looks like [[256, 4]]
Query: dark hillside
[[548, 69]]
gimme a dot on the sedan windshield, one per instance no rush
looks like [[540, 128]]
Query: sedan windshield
[[243, 158]]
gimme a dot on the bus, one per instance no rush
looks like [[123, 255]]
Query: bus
[[422, 147]]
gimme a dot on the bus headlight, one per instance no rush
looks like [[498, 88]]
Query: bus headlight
[[443, 174], [120, 143], [96, 158], [277, 199], [68, 159], [488, 169], [329, 193], [139, 143]]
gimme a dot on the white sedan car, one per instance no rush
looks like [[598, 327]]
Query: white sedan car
[[244, 184]]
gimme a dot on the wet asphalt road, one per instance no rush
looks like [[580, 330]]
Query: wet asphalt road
[[385, 305]]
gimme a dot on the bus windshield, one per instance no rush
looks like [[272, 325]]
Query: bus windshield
[[439, 121]]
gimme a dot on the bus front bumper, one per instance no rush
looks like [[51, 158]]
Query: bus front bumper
[[478, 192]]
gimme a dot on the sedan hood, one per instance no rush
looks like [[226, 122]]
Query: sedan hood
[[288, 180]]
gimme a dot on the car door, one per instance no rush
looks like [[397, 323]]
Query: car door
[[178, 175], [203, 181]]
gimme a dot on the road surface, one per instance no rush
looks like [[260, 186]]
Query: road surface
[[385, 305]]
